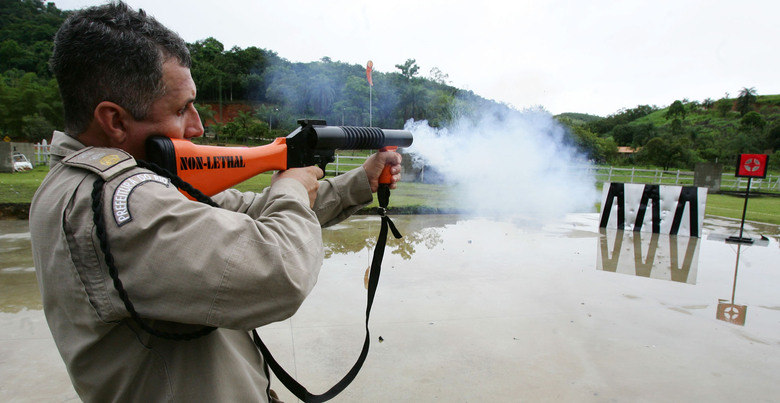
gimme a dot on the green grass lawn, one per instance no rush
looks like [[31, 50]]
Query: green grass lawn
[[406, 195], [20, 187], [762, 209]]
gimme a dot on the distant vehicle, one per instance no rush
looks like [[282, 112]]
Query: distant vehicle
[[21, 163]]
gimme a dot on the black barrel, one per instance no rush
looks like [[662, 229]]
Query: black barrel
[[359, 138]]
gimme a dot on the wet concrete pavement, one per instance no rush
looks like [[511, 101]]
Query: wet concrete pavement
[[475, 309]]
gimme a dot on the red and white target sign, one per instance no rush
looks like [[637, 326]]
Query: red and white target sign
[[752, 165]]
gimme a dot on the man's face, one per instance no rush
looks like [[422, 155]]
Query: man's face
[[172, 115]]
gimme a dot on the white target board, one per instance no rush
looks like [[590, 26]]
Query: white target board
[[661, 209]]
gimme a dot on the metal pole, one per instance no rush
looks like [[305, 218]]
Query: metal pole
[[736, 268], [744, 209], [370, 102]]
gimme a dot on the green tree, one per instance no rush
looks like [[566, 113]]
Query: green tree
[[724, 106], [440, 107], [752, 121], [251, 63], [409, 68], [635, 135], [25, 99], [26, 31], [439, 77], [596, 148], [321, 95], [667, 152], [773, 139], [676, 111], [206, 114], [623, 116], [36, 128], [752, 125], [676, 127], [415, 99], [287, 88], [246, 127], [745, 100], [207, 118], [354, 101], [209, 69]]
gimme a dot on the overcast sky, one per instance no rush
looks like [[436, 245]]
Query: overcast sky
[[567, 56]]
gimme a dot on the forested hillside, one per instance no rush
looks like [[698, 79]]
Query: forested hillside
[[281, 91], [271, 92], [30, 106], [253, 94], [685, 132]]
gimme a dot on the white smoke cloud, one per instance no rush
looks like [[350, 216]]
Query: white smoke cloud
[[508, 164]]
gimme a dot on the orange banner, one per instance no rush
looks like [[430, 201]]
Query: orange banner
[[369, 69]]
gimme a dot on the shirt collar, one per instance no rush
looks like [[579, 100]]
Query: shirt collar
[[62, 145]]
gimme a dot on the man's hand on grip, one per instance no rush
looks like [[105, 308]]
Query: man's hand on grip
[[376, 163], [308, 177]]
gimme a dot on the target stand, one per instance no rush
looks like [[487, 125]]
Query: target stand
[[748, 166]]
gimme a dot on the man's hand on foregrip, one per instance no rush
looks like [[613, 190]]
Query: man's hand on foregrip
[[377, 162]]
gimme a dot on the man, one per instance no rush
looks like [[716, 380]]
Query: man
[[183, 265]]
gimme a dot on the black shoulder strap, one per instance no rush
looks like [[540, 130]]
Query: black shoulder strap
[[100, 228], [383, 196]]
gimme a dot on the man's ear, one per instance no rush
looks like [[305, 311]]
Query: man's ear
[[113, 119]]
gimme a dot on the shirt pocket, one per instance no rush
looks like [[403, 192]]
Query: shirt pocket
[[84, 249]]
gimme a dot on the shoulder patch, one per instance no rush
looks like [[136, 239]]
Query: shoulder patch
[[120, 202], [106, 162]]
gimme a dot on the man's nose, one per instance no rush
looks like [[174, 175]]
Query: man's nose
[[194, 125]]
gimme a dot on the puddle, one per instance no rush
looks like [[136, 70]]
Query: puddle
[[18, 285], [658, 256], [481, 309]]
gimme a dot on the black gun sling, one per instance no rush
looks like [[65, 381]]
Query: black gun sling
[[383, 196]]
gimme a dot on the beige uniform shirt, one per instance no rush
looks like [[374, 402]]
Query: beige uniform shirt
[[184, 265]]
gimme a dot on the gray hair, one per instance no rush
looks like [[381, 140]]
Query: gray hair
[[112, 53]]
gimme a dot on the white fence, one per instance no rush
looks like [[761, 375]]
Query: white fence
[[678, 177], [41, 156], [344, 163]]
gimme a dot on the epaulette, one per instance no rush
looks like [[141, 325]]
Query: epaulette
[[106, 162]]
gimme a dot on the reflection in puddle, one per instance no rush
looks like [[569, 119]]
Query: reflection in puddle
[[649, 255], [357, 234], [721, 228], [19, 287], [18, 284], [673, 258], [728, 311]]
